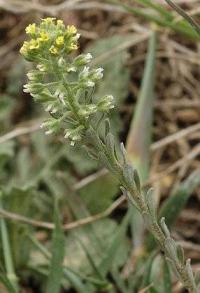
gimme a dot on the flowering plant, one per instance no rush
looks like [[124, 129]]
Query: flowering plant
[[65, 84]]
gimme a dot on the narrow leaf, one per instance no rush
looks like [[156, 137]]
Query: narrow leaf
[[56, 268]]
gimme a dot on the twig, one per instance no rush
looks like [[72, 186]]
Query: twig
[[194, 153], [66, 227], [20, 131], [175, 136]]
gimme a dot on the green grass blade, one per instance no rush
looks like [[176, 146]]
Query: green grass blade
[[157, 7], [175, 203], [71, 276], [182, 28], [56, 264], [107, 261], [187, 17], [139, 137], [178, 199], [10, 272], [4, 280]]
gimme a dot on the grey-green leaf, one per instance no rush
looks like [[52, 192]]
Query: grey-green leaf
[[56, 264]]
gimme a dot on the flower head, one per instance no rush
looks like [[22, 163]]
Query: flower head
[[31, 29], [62, 83], [47, 38], [60, 41]]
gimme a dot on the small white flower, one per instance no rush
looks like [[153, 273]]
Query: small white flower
[[48, 132], [61, 98], [54, 110], [88, 57], [76, 37], [41, 67], [72, 143], [90, 83], [67, 134], [61, 61], [31, 76], [85, 73], [71, 69], [48, 108]]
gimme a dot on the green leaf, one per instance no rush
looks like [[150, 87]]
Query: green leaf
[[98, 245], [175, 203], [98, 194], [7, 284], [108, 260], [139, 136], [167, 277], [7, 253], [6, 152], [19, 200], [40, 260], [56, 263]]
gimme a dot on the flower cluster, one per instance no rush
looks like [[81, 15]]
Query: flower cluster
[[62, 83], [49, 38]]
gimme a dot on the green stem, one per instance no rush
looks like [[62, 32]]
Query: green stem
[[153, 227]]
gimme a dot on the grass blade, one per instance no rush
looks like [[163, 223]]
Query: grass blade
[[183, 28], [10, 272], [58, 248], [177, 201], [139, 137], [107, 261], [187, 17]]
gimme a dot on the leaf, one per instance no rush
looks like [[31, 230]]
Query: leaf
[[139, 136], [58, 251], [6, 152], [98, 246], [147, 273], [108, 260], [98, 194], [19, 200], [7, 253], [149, 15], [175, 203], [167, 282], [40, 260], [7, 284]]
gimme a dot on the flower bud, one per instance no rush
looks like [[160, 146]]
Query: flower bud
[[106, 103], [82, 59]]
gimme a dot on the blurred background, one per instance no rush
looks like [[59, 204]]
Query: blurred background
[[156, 89]]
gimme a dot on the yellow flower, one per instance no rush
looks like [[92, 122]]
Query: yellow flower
[[60, 41], [71, 29], [53, 50], [60, 23], [44, 37], [24, 48], [73, 46], [31, 29], [48, 20], [33, 44]]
